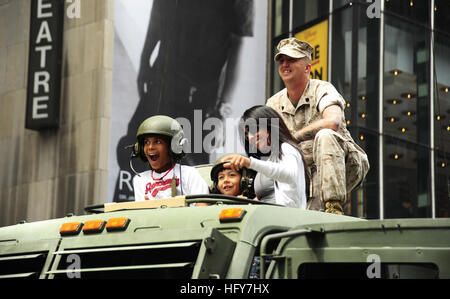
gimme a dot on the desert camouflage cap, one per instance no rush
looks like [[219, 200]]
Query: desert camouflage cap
[[293, 47]]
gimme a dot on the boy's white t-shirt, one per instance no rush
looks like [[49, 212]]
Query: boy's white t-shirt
[[153, 185]]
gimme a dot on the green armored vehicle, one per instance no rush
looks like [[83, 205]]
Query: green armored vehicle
[[232, 238]]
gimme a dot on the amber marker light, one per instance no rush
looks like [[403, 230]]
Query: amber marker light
[[93, 226], [232, 215], [117, 224], [70, 228]]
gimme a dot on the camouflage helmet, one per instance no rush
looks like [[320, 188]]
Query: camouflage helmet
[[165, 126]]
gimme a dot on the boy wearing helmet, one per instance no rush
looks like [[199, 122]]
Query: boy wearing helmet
[[231, 182], [160, 142]]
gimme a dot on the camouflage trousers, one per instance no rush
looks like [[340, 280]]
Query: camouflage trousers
[[334, 167]]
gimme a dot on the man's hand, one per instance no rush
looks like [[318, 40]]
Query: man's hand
[[331, 119]]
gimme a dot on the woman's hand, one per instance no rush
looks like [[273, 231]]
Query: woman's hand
[[236, 162]]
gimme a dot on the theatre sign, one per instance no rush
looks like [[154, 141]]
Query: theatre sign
[[44, 64]]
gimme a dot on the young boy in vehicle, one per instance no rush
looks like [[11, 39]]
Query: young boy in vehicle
[[160, 141], [230, 182]]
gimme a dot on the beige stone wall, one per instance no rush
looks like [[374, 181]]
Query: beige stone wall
[[51, 173]]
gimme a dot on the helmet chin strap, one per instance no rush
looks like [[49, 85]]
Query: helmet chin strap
[[131, 164], [174, 184], [133, 155]]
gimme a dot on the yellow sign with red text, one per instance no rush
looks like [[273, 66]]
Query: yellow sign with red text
[[317, 37]]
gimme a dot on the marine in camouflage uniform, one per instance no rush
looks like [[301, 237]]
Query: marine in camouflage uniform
[[335, 163]]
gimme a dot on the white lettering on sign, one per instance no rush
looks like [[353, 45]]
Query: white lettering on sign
[[44, 64], [38, 106], [44, 33], [42, 78], [125, 178], [43, 50], [43, 82], [40, 7]]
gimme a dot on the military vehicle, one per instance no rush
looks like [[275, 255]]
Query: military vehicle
[[231, 238]]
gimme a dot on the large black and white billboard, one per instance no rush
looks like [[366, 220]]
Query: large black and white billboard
[[200, 60]]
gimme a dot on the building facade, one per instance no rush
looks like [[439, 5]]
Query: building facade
[[49, 173], [390, 60]]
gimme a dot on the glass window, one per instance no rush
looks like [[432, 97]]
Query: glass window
[[280, 30], [339, 3], [342, 55], [406, 120], [366, 102], [417, 10], [406, 99], [442, 124], [341, 78], [442, 182], [368, 71], [307, 10], [442, 15], [406, 81], [365, 199], [361, 110], [406, 177], [280, 24]]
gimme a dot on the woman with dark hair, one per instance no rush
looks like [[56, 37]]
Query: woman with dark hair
[[272, 152]]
